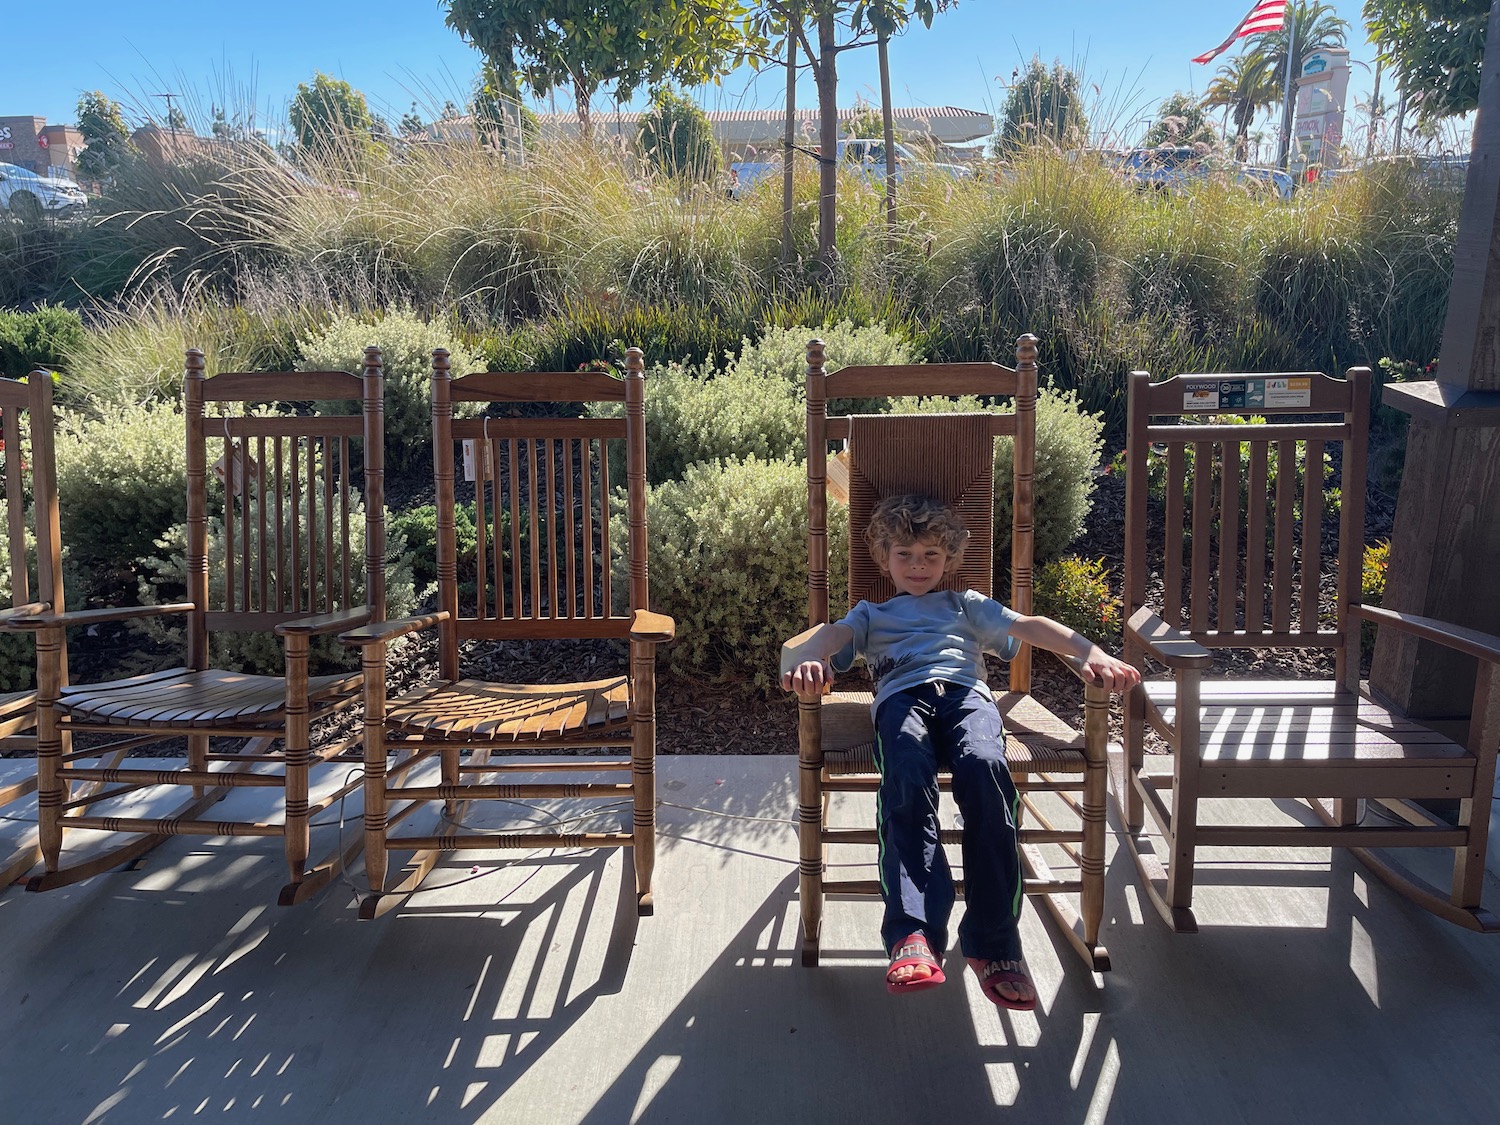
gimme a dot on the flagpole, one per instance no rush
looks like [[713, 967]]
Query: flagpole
[[1287, 108]]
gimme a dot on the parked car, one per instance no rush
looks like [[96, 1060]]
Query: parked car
[[864, 154], [24, 193], [1174, 167]]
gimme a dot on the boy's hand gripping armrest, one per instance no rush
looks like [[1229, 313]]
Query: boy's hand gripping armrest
[[804, 660]]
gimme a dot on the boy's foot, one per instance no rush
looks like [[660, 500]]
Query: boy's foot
[[913, 967], [1005, 983]]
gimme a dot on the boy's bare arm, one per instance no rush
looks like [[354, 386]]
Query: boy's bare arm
[[804, 659], [1098, 665]]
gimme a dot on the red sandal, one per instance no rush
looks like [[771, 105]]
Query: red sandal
[[994, 973], [913, 951]]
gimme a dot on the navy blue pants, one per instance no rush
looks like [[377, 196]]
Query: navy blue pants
[[957, 728]]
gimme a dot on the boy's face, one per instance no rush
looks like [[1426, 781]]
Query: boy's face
[[916, 568]]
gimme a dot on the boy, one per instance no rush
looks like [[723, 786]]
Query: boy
[[925, 648]]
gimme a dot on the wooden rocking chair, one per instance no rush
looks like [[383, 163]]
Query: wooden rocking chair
[[949, 457], [286, 521], [26, 426], [1230, 495], [543, 503]]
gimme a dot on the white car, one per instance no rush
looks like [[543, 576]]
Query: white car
[[28, 195]]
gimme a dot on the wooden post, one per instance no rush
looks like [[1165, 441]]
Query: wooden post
[[1446, 537]]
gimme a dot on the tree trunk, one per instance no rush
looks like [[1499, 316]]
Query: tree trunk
[[787, 151], [582, 95], [826, 71], [887, 120]]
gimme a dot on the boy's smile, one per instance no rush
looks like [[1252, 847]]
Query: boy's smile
[[917, 568]]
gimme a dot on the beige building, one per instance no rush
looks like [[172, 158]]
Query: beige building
[[757, 133]]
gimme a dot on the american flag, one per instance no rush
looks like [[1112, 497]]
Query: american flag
[[1268, 15]]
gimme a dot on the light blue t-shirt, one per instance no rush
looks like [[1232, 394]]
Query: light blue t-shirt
[[911, 640]]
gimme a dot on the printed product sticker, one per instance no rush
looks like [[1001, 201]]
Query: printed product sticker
[[1291, 392], [1200, 396], [1232, 394]]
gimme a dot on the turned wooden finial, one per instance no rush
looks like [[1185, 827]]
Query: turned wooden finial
[[374, 360], [816, 357], [635, 362], [1026, 350], [195, 363], [441, 368]]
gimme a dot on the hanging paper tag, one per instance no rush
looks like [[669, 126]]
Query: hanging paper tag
[[236, 468]]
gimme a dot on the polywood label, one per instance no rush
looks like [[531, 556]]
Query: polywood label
[[1285, 392]]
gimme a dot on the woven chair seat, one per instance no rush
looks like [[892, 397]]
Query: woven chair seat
[[180, 697], [478, 710]]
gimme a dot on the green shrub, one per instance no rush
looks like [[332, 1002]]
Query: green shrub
[[1076, 592], [406, 343], [121, 483], [728, 560], [1372, 578], [781, 353], [163, 579], [677, 139], [601, 328], [38, 339], [1069, 443], [418, 528], [690, 420]]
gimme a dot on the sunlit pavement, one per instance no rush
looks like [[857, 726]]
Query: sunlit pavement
[[521, 988]]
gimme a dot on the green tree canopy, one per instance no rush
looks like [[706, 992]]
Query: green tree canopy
[[1436, 46], [586, 46], [677, 139], [1043, 106], [329, 113], [1180, 120], [102, 124]]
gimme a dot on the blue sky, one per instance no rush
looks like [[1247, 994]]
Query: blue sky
[[400, 51]]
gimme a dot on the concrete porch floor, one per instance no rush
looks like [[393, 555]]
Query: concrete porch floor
[[522, 988]]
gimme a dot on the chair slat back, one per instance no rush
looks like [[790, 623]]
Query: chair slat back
[[949, 457], [283, 487], [30, 490], [1233, 513], [546, 490]]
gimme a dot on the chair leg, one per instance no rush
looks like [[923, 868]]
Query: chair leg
[[298, 762], [51, 788], [1135, 752], [197, 753], [376, 817], [1182, 843], [810, 814], [643, 779], [1095, 785]]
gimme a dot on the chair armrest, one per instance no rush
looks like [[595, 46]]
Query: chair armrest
[[320, 623], [1167, 645], [99, 616], [653, 628], [1472, 642], [389, 630], [30, 609]]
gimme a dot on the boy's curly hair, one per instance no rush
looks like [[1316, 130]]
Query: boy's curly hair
[[911, 518]]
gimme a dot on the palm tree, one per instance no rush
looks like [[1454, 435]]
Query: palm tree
[[1243, 85], [1317, 27]]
